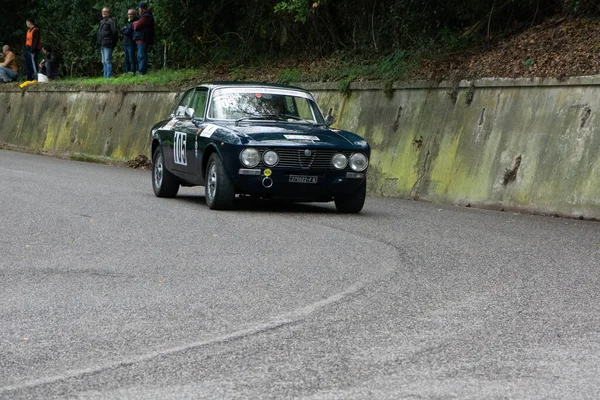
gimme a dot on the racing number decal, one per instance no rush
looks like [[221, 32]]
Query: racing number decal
[[179, 148]]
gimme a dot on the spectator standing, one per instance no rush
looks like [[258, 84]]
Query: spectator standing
[[9, 70], [33, 44], [107, 40], [49, 65], [128, 42], [143, 36]]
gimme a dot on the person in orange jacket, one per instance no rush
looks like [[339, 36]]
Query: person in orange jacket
[[33, 44]]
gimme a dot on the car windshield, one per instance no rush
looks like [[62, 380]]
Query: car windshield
[[240, 104]]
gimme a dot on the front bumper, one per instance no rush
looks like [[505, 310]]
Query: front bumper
[[278, 183]]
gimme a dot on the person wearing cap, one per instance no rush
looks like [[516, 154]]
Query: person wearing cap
[[107, 40], [144, 36], [9, 69], [128, 42]]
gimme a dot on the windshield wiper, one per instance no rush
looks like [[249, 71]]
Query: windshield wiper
[[288, 116], [278, 117], [254, 116]]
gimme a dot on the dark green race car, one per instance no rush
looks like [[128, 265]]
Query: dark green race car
[[267, 141]]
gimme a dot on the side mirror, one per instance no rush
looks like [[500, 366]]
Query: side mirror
[[189, 112], [329, 119], [180, 112]]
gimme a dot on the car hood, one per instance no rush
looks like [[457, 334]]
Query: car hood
[[295, 134]]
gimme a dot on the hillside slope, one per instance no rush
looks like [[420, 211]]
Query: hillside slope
[[558, 48]]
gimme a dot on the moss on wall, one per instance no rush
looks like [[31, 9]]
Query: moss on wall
[[533, 146], [113, 124]]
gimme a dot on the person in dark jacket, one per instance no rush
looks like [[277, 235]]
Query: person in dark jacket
[[143, 36], [49, 65], [33, 44], [107, 40], [128, 42]]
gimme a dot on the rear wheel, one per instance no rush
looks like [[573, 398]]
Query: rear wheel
[[218, 188], [164, 183], [352, 202]]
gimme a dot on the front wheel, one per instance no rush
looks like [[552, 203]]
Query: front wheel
[[218, 188], [164, 183], [352, 202]]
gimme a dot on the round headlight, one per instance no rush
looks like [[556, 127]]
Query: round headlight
[[250, 157], [358, 162], [270, 158], [339, 161]]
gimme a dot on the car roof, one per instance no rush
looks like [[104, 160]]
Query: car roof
[[221, 84]]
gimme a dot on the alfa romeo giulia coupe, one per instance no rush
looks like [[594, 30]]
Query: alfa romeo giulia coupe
[[262, 140]]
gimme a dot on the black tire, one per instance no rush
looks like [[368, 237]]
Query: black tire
[[352, 202], [218, 188], [164, 183]]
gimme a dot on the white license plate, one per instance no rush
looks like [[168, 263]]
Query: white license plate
[[303, 179]]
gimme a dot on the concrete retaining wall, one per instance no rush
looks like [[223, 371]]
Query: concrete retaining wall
[[520, 144], [527, 145], [104, 121]]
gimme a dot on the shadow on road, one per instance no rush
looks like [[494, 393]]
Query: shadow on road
[[263, 205]]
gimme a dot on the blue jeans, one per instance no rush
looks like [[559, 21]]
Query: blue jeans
[[142, 56], [129, 58], [7, 75], [106, 61], [31, 63]]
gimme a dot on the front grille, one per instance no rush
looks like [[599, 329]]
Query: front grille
[[296, 158]]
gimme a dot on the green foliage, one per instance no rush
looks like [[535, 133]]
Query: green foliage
[[580, 7], [287, 76], [393, 66], [388, 36], [344, 84], [388, 88], [529, 63], [238, 73], [298, 8], [161, 77]]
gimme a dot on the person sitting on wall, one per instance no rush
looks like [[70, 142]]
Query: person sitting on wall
[[9, 70], [49, 65]]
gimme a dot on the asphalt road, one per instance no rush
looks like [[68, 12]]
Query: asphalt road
[[107, 292]]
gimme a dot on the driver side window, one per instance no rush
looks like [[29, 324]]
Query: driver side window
[[303, 109], [184, 103], [198, 102]]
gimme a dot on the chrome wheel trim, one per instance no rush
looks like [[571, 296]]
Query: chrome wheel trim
[[212, 181], [158, 171]]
